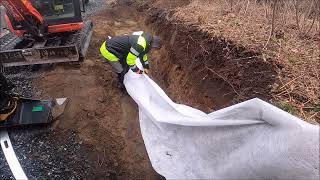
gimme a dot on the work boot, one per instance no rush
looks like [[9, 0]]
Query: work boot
[[120, 77], [121, 86], [120, 81]]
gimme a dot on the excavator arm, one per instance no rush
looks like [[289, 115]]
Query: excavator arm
[[22, 18]]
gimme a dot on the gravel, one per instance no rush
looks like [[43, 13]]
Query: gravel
[[93, 7], [5, 172], [47, 154], [51, 154], [22, 78]]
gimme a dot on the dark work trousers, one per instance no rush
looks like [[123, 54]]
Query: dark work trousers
[[121, 68], [125, 69]]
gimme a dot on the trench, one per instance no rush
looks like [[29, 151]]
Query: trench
[[201, 70], [193, 67]]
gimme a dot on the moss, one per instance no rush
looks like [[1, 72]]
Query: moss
[[317, 108], [286, 106]]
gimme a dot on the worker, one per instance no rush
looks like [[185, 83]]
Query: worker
[[122, 51]]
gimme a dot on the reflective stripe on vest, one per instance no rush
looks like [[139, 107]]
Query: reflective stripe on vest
[[133, 51], [137, 33], [145, 57], [106, 54], [131, 57]]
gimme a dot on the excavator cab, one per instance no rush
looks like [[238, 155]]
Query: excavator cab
[[55, 9], [59, 11]]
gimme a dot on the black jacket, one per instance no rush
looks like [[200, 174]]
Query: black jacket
[[120, 46]]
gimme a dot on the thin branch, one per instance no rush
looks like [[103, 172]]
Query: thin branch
[[245, 11], [222, 77], [313, 21], [309, 118], [275, 3], [296, 5], [286, 89], [199, 44], [288, 83], [245, 58]]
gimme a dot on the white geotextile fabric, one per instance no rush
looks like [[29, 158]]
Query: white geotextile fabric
[[250, 140]]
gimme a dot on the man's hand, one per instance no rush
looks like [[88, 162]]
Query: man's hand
[[139, 72], [146, 71], [135, 69]]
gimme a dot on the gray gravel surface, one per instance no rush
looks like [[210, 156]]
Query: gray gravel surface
[[93, 7], [5, 172], [21, 78], [51, 154], [45, 153]]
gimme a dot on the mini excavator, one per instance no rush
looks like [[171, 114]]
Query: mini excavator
[[44, 31]]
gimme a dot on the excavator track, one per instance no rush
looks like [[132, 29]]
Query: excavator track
[[8, 41], [67, 47]]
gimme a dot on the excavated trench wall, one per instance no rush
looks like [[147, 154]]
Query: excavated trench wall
[[201, 70]]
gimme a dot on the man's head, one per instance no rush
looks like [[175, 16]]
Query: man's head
[[155, 42]]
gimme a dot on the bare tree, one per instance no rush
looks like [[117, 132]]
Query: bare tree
[[274, 11], [231, 4], [296, 6]]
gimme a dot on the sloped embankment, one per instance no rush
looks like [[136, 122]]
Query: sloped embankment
[[201, 70]]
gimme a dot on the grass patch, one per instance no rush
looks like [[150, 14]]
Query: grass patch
[[317, 108], [286, 106]]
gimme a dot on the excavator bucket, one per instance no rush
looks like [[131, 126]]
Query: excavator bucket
[[42, 55], [31, 112]]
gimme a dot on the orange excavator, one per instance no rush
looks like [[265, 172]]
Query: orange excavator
[[44, 31]]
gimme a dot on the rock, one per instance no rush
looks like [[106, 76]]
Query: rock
[[101, 99]]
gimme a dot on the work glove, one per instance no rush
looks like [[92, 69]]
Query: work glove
[[136, 70], [139, 72], [146, 71]]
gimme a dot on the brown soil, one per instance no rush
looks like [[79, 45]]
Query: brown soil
[[103, 116]]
